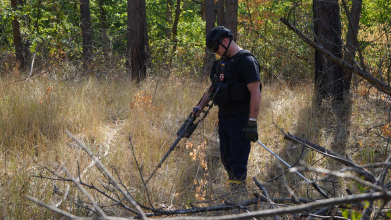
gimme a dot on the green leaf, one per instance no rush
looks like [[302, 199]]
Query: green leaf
[[345, 213]]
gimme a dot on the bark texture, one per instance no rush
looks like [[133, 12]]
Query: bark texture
[[175, 25], [103, 20], [220, 6], [231, 16], [137, 39], [168, 18], [210, 15], [86, 32], [17, 36], [351, 42], [327, 27]]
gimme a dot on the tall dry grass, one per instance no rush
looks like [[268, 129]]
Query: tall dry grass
[[104, 113]]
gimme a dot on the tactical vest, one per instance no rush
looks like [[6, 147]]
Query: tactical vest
[[225, 83]]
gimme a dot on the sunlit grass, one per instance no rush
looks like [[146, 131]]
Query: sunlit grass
[[104, 113]]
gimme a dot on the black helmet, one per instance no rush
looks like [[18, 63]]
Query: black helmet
[[215, 36]]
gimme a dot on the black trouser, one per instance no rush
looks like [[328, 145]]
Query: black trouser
[[234, 146]]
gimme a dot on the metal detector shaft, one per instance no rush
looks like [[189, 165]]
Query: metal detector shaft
[[185, 130], [283, 161], [312, 183], [164, 158]]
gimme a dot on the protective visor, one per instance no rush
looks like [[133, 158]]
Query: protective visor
[[215, 46]]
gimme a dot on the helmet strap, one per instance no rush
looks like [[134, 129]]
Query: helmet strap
[[226, 48]]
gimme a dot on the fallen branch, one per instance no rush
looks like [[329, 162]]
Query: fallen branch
[[345, 161], [338, 174], [298, 208], [130, 199], [54, 209], [97, 208], [59, 178], [264, 192]]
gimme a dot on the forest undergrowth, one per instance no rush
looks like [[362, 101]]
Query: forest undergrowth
[[130, 127]]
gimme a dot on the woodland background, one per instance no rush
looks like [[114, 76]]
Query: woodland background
[[122, 76]]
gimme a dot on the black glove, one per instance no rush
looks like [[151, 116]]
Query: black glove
[[196, 111], [252, 131]]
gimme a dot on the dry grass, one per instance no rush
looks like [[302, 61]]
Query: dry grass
[[103, 113]]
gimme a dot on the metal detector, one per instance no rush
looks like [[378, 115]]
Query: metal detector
[[314, 184]]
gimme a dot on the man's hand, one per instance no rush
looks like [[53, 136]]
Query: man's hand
[[252, 131], [197, 111]]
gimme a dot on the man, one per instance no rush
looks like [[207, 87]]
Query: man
[[236, 90]]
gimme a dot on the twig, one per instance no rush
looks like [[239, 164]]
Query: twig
[[131, 200], [297, 161], [64, 197], [264, 192], [59, 211], [154, 94], [381, 208], [290, 191], [141, 174], [101, 212], [32, 64], [327, 217], [335, 209], [338, 174], [380, 182], [298, 208], [360, 170], [376, 126], [89, 186]]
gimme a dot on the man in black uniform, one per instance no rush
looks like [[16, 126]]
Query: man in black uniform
[[236, 89]]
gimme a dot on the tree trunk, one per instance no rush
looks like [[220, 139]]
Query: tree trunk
[[220, 13], [202, 12], [168, 18], [231, 16], [103, 20], [327, 27], [351, 40], [38, 16], [86, 32], [137, 40], [145, 31], [210, 15], [175, 25], [17, 37]]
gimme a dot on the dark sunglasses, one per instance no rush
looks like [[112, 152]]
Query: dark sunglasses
[[215, 46]]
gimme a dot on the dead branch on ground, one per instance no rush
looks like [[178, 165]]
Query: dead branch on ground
[[118, 193]]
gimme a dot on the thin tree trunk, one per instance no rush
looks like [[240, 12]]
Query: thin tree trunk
[[220, 12], [86, 33], [137, 40], [145, 31], [38, 16], [210, 15], [175, 25], [103, 21], [351, 38], [168, 18], [327, 27], [231, 16], [17, 37]]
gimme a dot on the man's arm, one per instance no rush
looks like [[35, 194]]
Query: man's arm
[[203, 102], [255, 100]]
